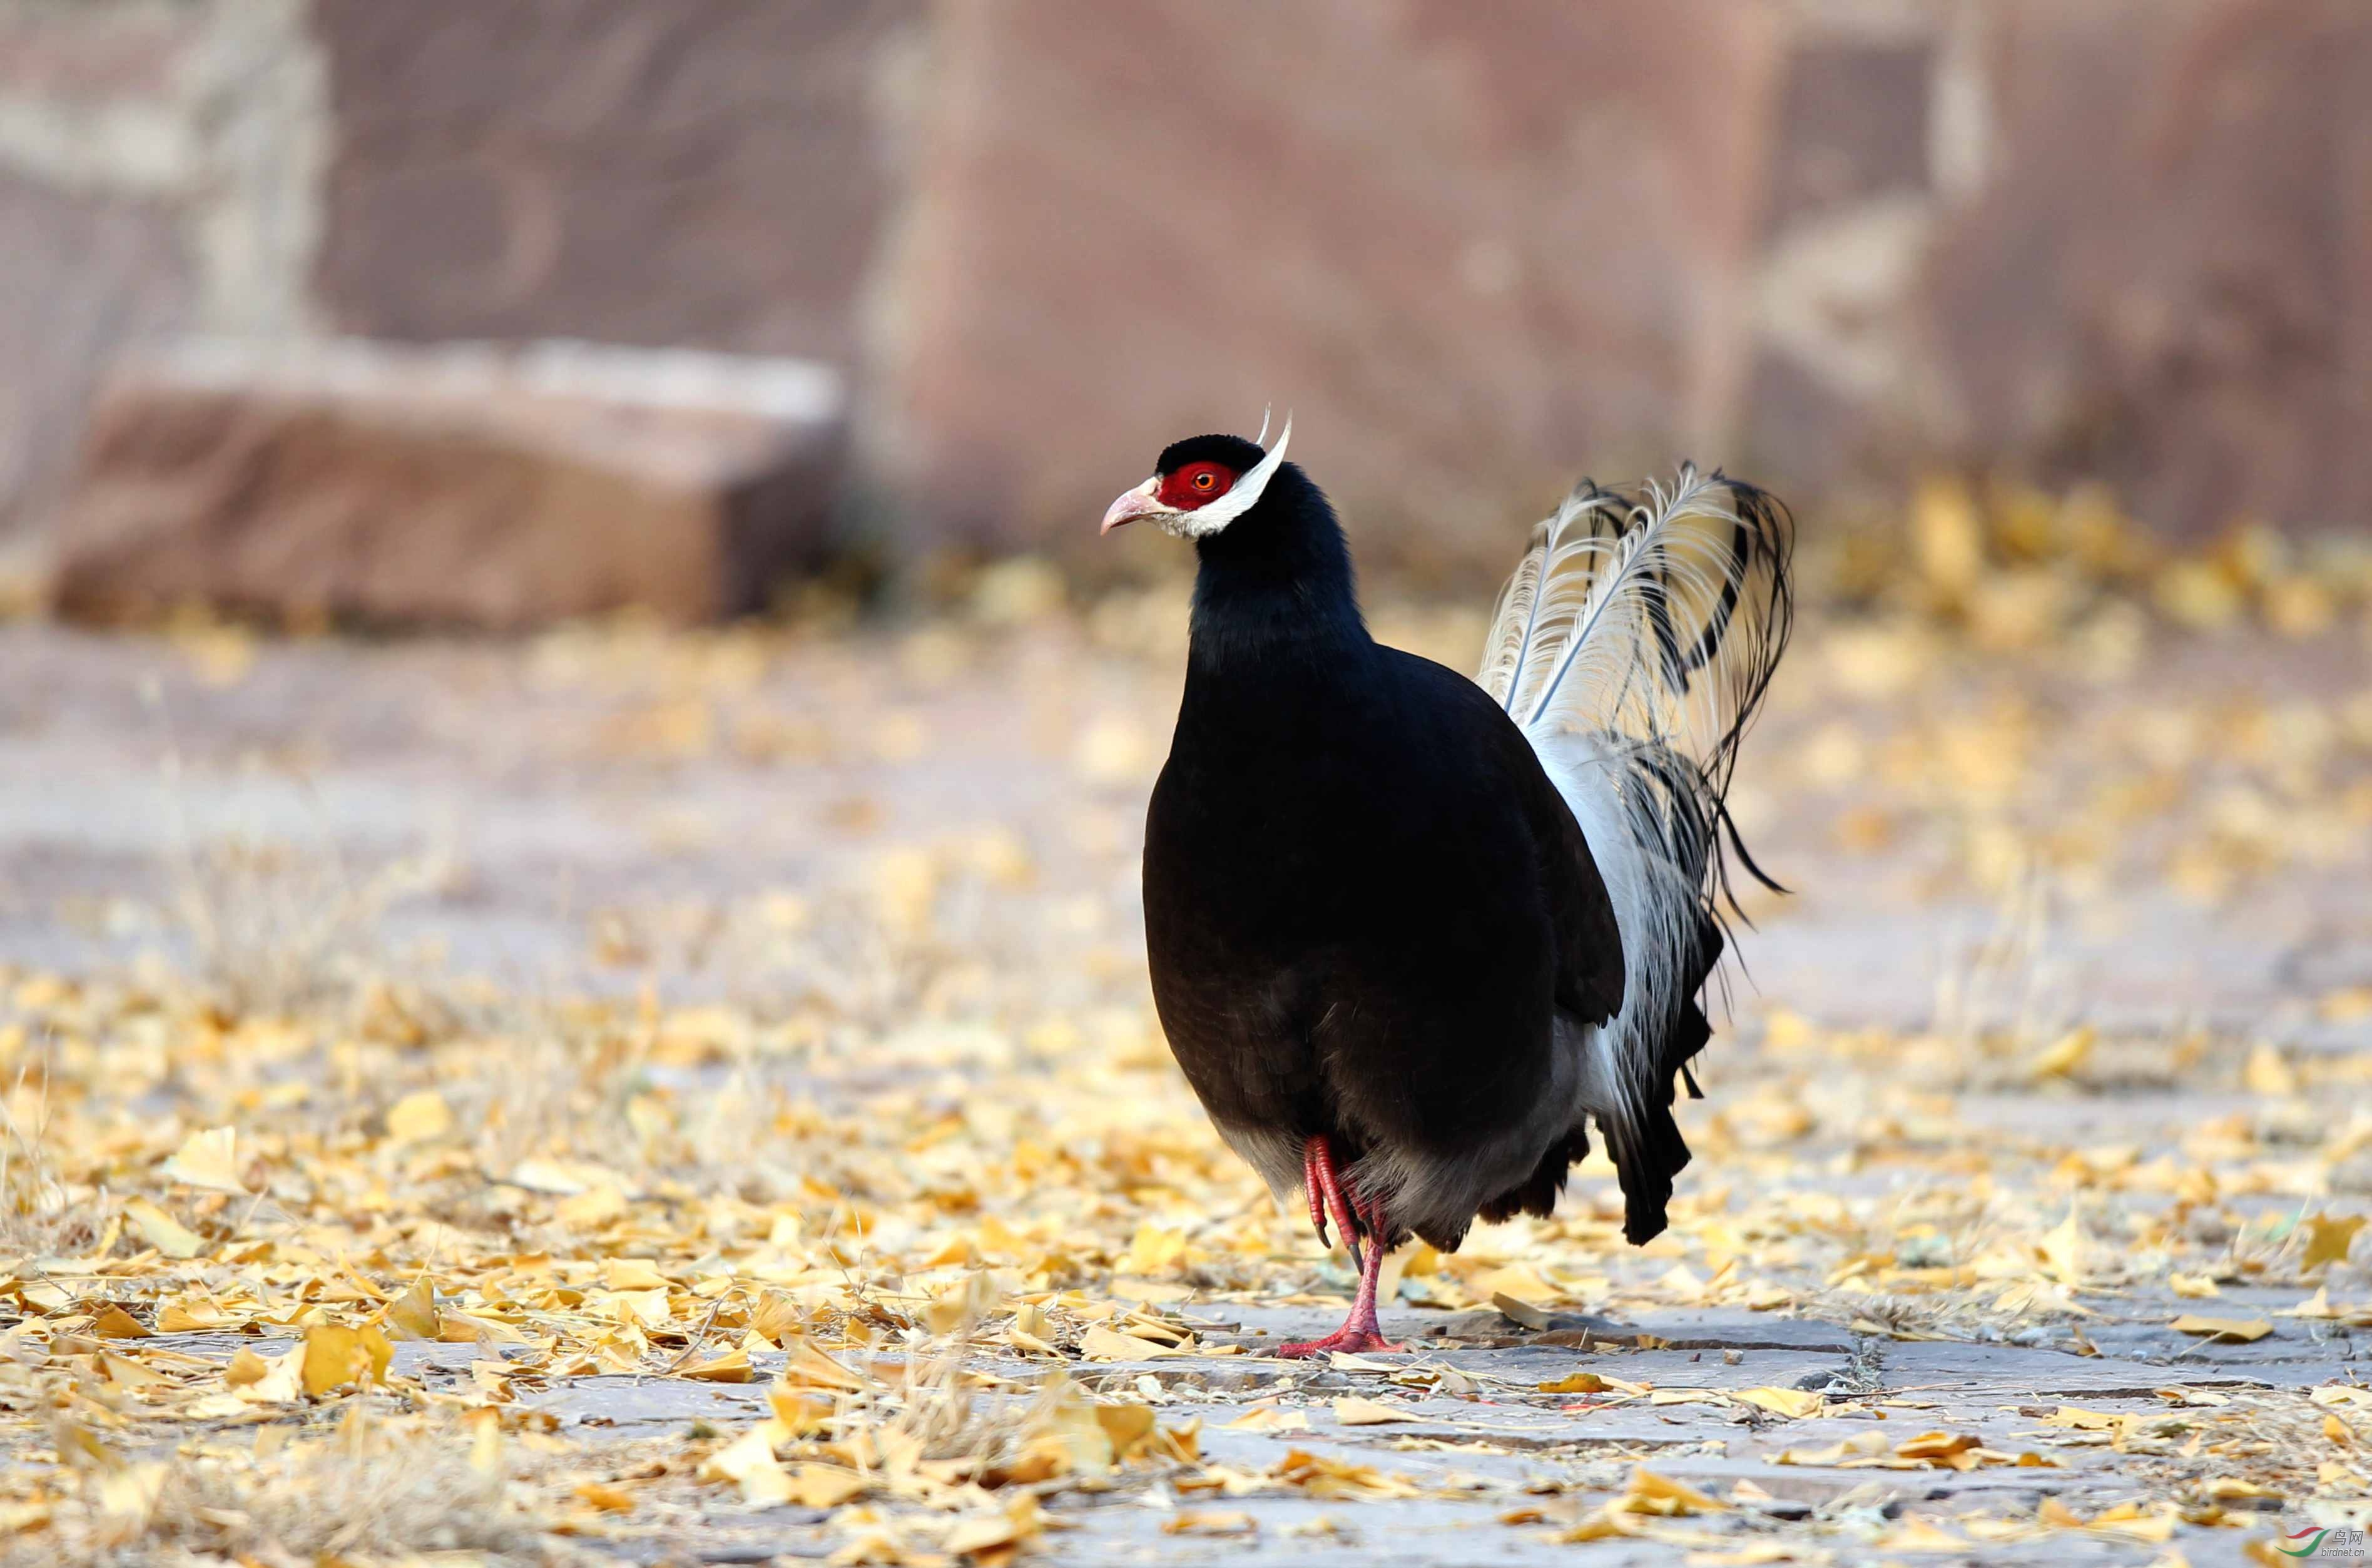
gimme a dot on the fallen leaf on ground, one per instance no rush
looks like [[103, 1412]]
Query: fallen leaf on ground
[[2327, 1239], [1191, 1523], [1520, 1312], [114, 1323], [1269, 1419], [162, 1231], [1100, 1343], [2066, 1055], [1793, 1404], [2224, 1330], [208, 1161], [733, 1366], [1649, 1493], [749, 1460], [2268, 1073], [419, 1118], [336, 1355]]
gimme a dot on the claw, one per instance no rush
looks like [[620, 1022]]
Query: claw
[[1346, 1338], [1317, 1194], [1326, 1187]]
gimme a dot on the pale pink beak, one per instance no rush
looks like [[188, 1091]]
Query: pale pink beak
[[1134, 503]]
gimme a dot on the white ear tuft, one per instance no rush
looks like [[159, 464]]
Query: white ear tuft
[[1245, 494]]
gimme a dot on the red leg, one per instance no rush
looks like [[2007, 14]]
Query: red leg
[[1360, 1330], [1327, 1195]]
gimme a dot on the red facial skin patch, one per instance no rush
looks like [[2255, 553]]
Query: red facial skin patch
[[1196, 484]]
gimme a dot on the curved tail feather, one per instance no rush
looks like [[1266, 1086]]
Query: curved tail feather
[[1632, 645]]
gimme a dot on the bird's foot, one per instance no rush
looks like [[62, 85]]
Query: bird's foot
[[1348, 1338], [1360, 1330]]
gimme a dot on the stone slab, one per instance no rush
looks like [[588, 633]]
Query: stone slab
[[464, 485]]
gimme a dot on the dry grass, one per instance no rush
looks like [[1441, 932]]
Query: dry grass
[[277, 926], [384, 1499], [39, 1212]]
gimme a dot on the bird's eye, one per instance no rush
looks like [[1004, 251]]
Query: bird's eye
[[1190, 485]]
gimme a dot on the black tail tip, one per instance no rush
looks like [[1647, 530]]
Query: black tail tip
[[1642, 1223], [1647, 1167]]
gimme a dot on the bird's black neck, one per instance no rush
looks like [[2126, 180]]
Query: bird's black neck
[[1275, 587]]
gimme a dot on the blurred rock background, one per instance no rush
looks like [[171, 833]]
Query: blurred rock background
[[1838, 245]]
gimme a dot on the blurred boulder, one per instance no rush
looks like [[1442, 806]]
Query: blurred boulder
[[464, 484]]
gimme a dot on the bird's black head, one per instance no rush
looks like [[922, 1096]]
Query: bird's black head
[[1231, 453], [1270, 574], [1202, 485]]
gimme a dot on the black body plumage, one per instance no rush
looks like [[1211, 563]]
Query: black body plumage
[[1366, 903]]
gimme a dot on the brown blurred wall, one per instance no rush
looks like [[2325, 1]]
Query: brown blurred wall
[[1475, 249], [159, 166]]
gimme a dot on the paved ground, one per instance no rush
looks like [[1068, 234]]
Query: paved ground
[[2065, 1036]]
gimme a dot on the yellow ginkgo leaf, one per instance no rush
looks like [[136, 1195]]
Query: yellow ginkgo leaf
[[1793, 1404], [2067, 1053], [823, 1486], [419, 1118], [2327, 1239], [414, 1313], [114, 1323], [162, 1231], [336, 1355], [749, 1460], [208, 1161]]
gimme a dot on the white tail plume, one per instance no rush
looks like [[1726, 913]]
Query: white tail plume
[[1632, 646]]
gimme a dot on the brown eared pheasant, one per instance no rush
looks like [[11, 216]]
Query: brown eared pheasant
[[1412, 934]]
